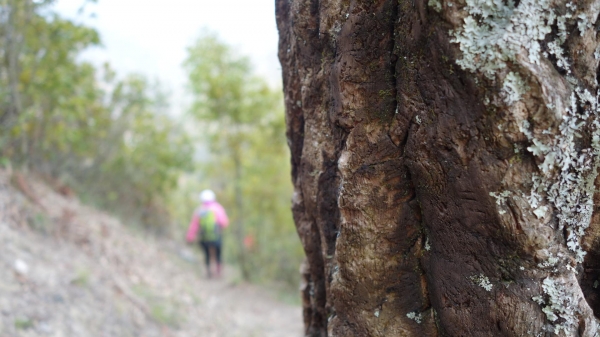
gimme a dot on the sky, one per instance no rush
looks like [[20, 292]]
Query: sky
[[150, 36]]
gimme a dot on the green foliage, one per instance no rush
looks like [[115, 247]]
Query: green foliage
[[241, 118], [138, 163], [38, 222], [109, 138], [23, 323], [162, 310], [82, 279], [165, 314]]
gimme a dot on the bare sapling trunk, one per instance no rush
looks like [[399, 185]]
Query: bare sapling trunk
[[239, 204], [445, 156], [13, 43]]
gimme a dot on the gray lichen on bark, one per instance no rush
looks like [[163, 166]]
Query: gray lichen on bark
[[445, 160], [515, 45]]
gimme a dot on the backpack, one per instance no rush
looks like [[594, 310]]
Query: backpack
[[210, 231]]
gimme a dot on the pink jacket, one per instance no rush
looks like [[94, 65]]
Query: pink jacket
[[220, 214]]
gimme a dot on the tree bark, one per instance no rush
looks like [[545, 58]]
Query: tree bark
[[444, 158], [13, 44], [239, 204]]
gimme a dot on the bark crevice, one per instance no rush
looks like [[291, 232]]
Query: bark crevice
[[422, 210]]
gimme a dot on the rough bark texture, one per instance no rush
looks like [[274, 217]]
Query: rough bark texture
[[444, 161]]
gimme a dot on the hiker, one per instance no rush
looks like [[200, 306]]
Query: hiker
[[208, 221]]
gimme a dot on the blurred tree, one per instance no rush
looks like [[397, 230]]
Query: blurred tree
[[111, 139], [242, 117], [219, 82], [144, 151], [48, 89]]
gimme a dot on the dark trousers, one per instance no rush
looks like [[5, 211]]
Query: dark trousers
[[207, 247]]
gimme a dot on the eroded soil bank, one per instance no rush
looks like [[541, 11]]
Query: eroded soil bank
[[70, 270]]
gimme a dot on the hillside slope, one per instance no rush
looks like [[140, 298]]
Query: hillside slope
[[70, 270]]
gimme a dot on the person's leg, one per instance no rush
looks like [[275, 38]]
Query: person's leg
[[206, 248], [212, 253], [218, 257]]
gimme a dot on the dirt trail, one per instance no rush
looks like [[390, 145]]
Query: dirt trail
[[70, 270]]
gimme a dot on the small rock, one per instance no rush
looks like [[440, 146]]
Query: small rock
[[56, 298], [44, 328], [21, 267], [187, 255]]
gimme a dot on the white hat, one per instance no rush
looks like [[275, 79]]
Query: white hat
[[207, 195]]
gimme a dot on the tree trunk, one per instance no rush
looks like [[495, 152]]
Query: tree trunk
[[13, 43], [239, 204], [444, 158]]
